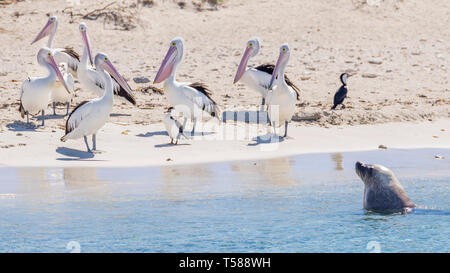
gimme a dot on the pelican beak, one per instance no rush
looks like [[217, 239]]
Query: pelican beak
[[243, 64], [167, 65], [281, 60], [58, 73], [87, 44], [44, 32], [109, 67]]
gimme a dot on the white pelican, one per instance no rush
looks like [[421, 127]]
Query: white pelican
[[62, 55], [173, 127], [88, 117], [36, 92], [90, 78], [282, 98], [189, 99], [257, 78], [59, 93]]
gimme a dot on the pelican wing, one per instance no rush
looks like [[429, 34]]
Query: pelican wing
[[95, 77], [118, 90], [268, 68], [78, 114], [21, 109], [201, 96], [69, 56]]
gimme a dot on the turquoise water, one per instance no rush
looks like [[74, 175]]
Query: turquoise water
[[307, 203]]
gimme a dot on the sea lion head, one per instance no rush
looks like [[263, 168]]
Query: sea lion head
[[382, 191], [372, 173]]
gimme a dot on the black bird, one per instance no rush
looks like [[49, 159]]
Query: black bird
[[341, 94]]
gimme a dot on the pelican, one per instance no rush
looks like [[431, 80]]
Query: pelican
[[173, 127], [90, 78], [59, 94], [36, 92], [282, 98], [257, 78], [341, 94], [88, 117], [62, 55], [189, 99]]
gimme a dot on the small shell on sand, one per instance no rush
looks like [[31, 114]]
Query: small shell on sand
[[375, 61], [382, 147], [369, 75]]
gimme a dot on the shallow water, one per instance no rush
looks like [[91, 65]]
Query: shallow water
[[306, 203]]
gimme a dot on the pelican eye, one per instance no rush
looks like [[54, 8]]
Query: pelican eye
[[106, 59], [49, 54], [250, 45], [174, 44], [284, 49]]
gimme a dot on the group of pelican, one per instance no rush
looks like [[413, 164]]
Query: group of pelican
[[191, 100], [278, 92], [63, 66]]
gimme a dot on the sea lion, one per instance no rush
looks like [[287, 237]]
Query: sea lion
[[382, 191]]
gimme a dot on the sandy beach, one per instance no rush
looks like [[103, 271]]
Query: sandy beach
[[397, 53], [139, 146]]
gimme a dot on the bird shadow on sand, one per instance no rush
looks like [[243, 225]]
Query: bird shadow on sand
[[151, 134], [119, 115], [188, 134], [164, 133], [73, 155], [250, 117], [266, 139], [20, 126], [168, 145], [49, 117]]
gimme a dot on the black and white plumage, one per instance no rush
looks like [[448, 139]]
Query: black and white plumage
[[89, 117], [190, 99], [62, 55], [208, 105], [341, 94], [71, 56], [173, 127], [118, 90], [257, 78], [89, 77], [268, 68]]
